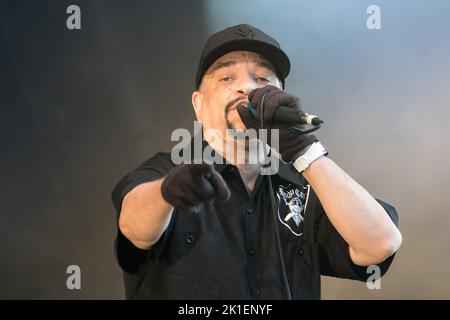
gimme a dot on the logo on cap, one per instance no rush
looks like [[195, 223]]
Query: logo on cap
[[244, 33]]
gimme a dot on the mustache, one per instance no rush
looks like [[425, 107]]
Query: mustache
[[231, 103]]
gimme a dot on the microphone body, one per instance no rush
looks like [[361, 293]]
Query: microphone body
[[290, 116], [294, 116]]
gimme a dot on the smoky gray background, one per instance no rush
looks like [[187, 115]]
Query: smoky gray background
[[80, 109]]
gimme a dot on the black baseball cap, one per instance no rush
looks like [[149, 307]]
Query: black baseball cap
[[242, 37]]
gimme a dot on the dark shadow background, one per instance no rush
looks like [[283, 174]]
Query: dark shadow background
[[79, 109]]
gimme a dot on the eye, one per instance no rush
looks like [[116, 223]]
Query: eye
[[263, 79], [225, 79]]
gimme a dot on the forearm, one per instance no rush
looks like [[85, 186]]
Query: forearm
[[145, 215], [356, 215]]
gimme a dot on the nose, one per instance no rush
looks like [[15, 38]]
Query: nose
[[246, 85]]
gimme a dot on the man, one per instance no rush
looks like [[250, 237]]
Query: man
[[197, 231]]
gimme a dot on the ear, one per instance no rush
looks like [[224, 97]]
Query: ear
[[197, 101]]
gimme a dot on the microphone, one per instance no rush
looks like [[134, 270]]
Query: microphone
[[294, 116], [290, 116]]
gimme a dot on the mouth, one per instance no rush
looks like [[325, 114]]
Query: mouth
[[239, 103], [232, 105]]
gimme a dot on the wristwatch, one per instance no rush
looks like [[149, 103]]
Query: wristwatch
[[315, 151]]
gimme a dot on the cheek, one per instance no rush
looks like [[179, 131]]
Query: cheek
[[216, 108], [214, 116]]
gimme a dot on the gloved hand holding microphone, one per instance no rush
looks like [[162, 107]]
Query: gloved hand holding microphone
[[291, 144]]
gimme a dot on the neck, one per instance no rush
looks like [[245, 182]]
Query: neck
[[246, 160], [249, 174]]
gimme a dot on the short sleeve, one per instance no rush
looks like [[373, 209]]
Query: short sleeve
[[152, 169], [334, 251], [129, 257]]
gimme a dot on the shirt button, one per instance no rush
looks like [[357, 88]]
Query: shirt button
[[257, 292], [249, 210], [190, 239], [252, 251], [300, 251]]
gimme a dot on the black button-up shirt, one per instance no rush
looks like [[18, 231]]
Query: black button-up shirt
[[228, 250]]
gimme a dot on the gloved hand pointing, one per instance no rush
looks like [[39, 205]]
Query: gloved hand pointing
[[189, 185]]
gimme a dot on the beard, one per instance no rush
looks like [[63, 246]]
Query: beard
[[228, 107], [239, 140]]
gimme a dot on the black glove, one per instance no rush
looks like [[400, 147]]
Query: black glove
[[291, 143], [189, 185]]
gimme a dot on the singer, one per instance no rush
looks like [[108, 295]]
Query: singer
[[226, 231]]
